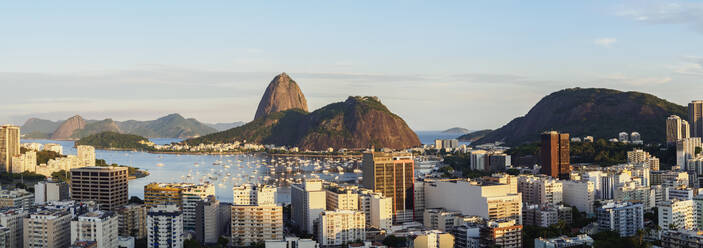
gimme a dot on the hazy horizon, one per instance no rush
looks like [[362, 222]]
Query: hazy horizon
[[474, 65]]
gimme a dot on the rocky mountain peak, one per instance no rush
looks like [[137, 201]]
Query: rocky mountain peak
[[65, 131], [282, 94]]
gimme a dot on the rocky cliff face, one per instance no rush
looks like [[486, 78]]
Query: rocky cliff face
[[601, 113], [65, 131], [282, 94], [358, 122]]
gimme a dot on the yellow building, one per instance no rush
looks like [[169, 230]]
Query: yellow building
[[431, 239], [162, 194], [251, 224]]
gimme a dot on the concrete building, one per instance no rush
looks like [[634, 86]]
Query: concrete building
[[479, 160], [184, 195], [674, 179], [676, 129], [377, 209], [441, 219], [46, 191], [501, 233], [640, 157], [580, 194], [341, 227], [545, 216], [695, 118], [98, 226], [341, 198], [554, 152], [681, 239], [13, 220], [164, 225], [250, 194], [685, 150], [498, 162], [292, 242], [392, 175], [132, 220], [107, 186], [446, 144], [209, 226], [16, 198], [9, 145], [308, 200], [582, 240], [430, 239], [86, 155], [54, 148], [675, 214], [24, 162], [47, 228], [625, 218], [478, 198], [540, 190], [251, 224]]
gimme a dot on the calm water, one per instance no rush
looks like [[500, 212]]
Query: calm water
[[167, 168], [428, 137]]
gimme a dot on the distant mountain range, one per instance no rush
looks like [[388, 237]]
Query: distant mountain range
[[282, 119], [602, 113], [170, 126]]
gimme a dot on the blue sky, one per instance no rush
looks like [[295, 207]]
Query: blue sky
[[437, 64]]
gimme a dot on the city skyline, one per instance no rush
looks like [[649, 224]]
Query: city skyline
[[457, 62]]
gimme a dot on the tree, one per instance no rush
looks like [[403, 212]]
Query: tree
[[393, 241], [135, 199], [222, 241]]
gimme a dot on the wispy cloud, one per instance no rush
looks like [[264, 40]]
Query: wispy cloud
[[692, 66], [605, 42], [635, 80], [660, 12]]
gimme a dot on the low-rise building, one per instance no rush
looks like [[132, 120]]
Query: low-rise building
[[582, 240]]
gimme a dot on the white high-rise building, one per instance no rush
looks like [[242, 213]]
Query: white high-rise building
[[250, 194], [685, 150], [86, 155], [477, 198], [98, 226], [191, 194], [164, 224], [675, 214], [46, 191], [341, 227], [13, 219], [9, 145], [308, 200], [579, 194], [252, 223], [625, 218], [479, 160], [47, 228], [377, 209], [540, 190], [54, 148], [640, 157], [24, 162], [676, 129], [341, 198]]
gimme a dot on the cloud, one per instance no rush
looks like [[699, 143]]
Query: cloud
[[686, 13], [692, 66], [636, 81], [605, 42]]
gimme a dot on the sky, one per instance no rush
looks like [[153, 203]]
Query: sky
[[437, 64]]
